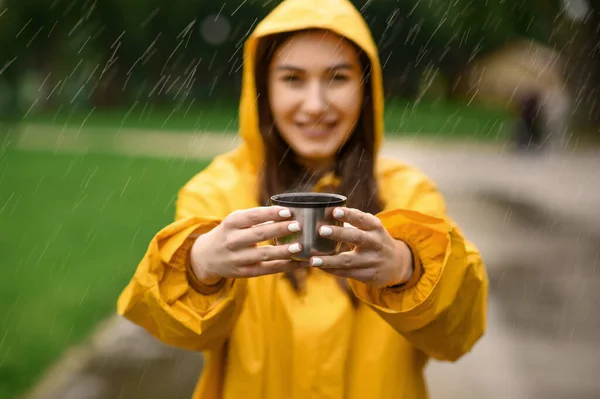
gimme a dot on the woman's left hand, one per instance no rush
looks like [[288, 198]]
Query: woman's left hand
[[376, 258]]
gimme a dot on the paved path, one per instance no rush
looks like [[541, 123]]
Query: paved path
[[535, 219]]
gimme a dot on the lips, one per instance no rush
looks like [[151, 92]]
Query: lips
[[316, 130]]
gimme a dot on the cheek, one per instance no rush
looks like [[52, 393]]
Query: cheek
[[349, 102], [281, 102]]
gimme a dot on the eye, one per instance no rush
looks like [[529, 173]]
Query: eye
[[339, 77], [290, 79]]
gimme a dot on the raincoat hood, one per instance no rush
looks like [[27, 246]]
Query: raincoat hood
[[338, 16]]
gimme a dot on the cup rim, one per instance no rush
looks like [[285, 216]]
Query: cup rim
[[308, 200]]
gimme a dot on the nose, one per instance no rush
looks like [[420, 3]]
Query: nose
[[315, 101]]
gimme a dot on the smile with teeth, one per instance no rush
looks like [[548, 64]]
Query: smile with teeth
[[316, 129]]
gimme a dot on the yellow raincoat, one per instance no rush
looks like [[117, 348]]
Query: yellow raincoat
[[261, 339]]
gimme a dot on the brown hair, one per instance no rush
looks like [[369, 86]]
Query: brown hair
[[354, 166]]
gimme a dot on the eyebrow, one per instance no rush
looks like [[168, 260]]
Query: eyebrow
[[291, 68]]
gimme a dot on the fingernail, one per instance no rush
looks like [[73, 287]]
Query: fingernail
[[338, 213], [294, 227], [285, 213], [316, 262], [325, 231], [294, 248]]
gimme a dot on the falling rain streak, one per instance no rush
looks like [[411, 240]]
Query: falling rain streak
[[107, 109]]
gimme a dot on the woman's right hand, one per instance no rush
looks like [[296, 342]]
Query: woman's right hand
[[231, 249]]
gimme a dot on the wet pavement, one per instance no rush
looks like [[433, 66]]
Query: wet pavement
[[543, 337], [537, 223], [536, 220]]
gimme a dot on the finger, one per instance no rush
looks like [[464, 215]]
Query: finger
[[365, 275], [350, 235], [238, 239], [270, 267], [241, 219], [344, 260], [264, 253], [359, 219]]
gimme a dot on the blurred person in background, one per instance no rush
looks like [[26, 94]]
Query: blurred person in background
[[529, 126]]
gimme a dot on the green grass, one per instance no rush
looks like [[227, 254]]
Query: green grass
[[218, 116], [445, 120], [442, 120], [73, 230]]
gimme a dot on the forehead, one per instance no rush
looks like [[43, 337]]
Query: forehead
[[315, 49]]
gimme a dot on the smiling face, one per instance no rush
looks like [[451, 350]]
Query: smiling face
[[315, 95]]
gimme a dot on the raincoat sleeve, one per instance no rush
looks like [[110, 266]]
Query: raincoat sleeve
[[442, 309], [162, 298]]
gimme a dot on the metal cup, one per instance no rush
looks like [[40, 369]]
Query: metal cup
[[311, 210]]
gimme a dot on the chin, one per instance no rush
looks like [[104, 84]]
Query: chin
[[322, 149]]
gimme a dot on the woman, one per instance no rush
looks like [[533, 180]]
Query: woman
[[360, 324]]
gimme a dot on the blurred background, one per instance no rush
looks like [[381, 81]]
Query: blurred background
[[108, 107]]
